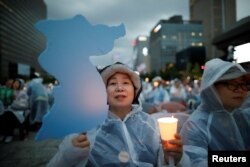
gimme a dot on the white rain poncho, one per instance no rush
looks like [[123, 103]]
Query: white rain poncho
[[211, 127], [134, 141], [157, 96], [131, 142]]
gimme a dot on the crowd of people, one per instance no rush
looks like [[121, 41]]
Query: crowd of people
[[130, 137], [217, 118], [23, 105], [159, 92]]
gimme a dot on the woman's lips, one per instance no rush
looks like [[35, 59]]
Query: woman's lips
[[120, 96]]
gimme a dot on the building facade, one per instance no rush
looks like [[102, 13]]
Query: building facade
[[235, 43], [142, 59], [171, 36], [217, 16], [21, 42], [187, 59]]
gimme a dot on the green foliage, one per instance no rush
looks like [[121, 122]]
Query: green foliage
[[170, 72]]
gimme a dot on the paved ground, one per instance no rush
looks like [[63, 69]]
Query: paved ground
[[27, 153]]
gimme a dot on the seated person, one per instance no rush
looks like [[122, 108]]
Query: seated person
[[15, 115], [128, 137], [222, 121]]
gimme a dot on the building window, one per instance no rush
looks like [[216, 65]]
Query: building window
[[145, 51], [142, 38], [174, 37], [157, 28]]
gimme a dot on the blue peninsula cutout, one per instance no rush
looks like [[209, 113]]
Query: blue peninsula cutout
[[80, 98]]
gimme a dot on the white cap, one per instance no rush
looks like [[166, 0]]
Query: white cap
[[110, 70], [157, 78]]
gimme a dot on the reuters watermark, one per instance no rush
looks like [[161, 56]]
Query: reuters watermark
[[229, 158]]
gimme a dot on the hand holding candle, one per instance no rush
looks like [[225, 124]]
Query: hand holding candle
[[168, 127]]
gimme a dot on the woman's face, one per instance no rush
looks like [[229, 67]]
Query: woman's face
[[120, 90], [16, 85], [232, 92]]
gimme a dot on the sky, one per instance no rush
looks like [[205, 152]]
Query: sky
[[139, 17]]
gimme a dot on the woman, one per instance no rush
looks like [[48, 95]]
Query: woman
[[222, 121], [14, 116], [158, 94], [128, 137]]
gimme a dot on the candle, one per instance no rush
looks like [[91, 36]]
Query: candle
[[168, 127]]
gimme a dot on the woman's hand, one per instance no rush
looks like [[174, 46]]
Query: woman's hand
[[173, 148], [81, 141]]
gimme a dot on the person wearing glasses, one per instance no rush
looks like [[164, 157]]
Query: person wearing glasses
[[222, 120]]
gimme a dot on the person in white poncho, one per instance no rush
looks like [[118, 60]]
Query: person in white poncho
[[222, 121], [127, 138], [15, 114]]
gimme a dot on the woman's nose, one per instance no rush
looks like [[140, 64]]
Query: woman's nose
[[119, 87]]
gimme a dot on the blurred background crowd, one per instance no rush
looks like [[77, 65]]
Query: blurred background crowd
[[23, 105]]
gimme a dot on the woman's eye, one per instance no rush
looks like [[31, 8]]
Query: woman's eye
[[112, 83], [126, 83]]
